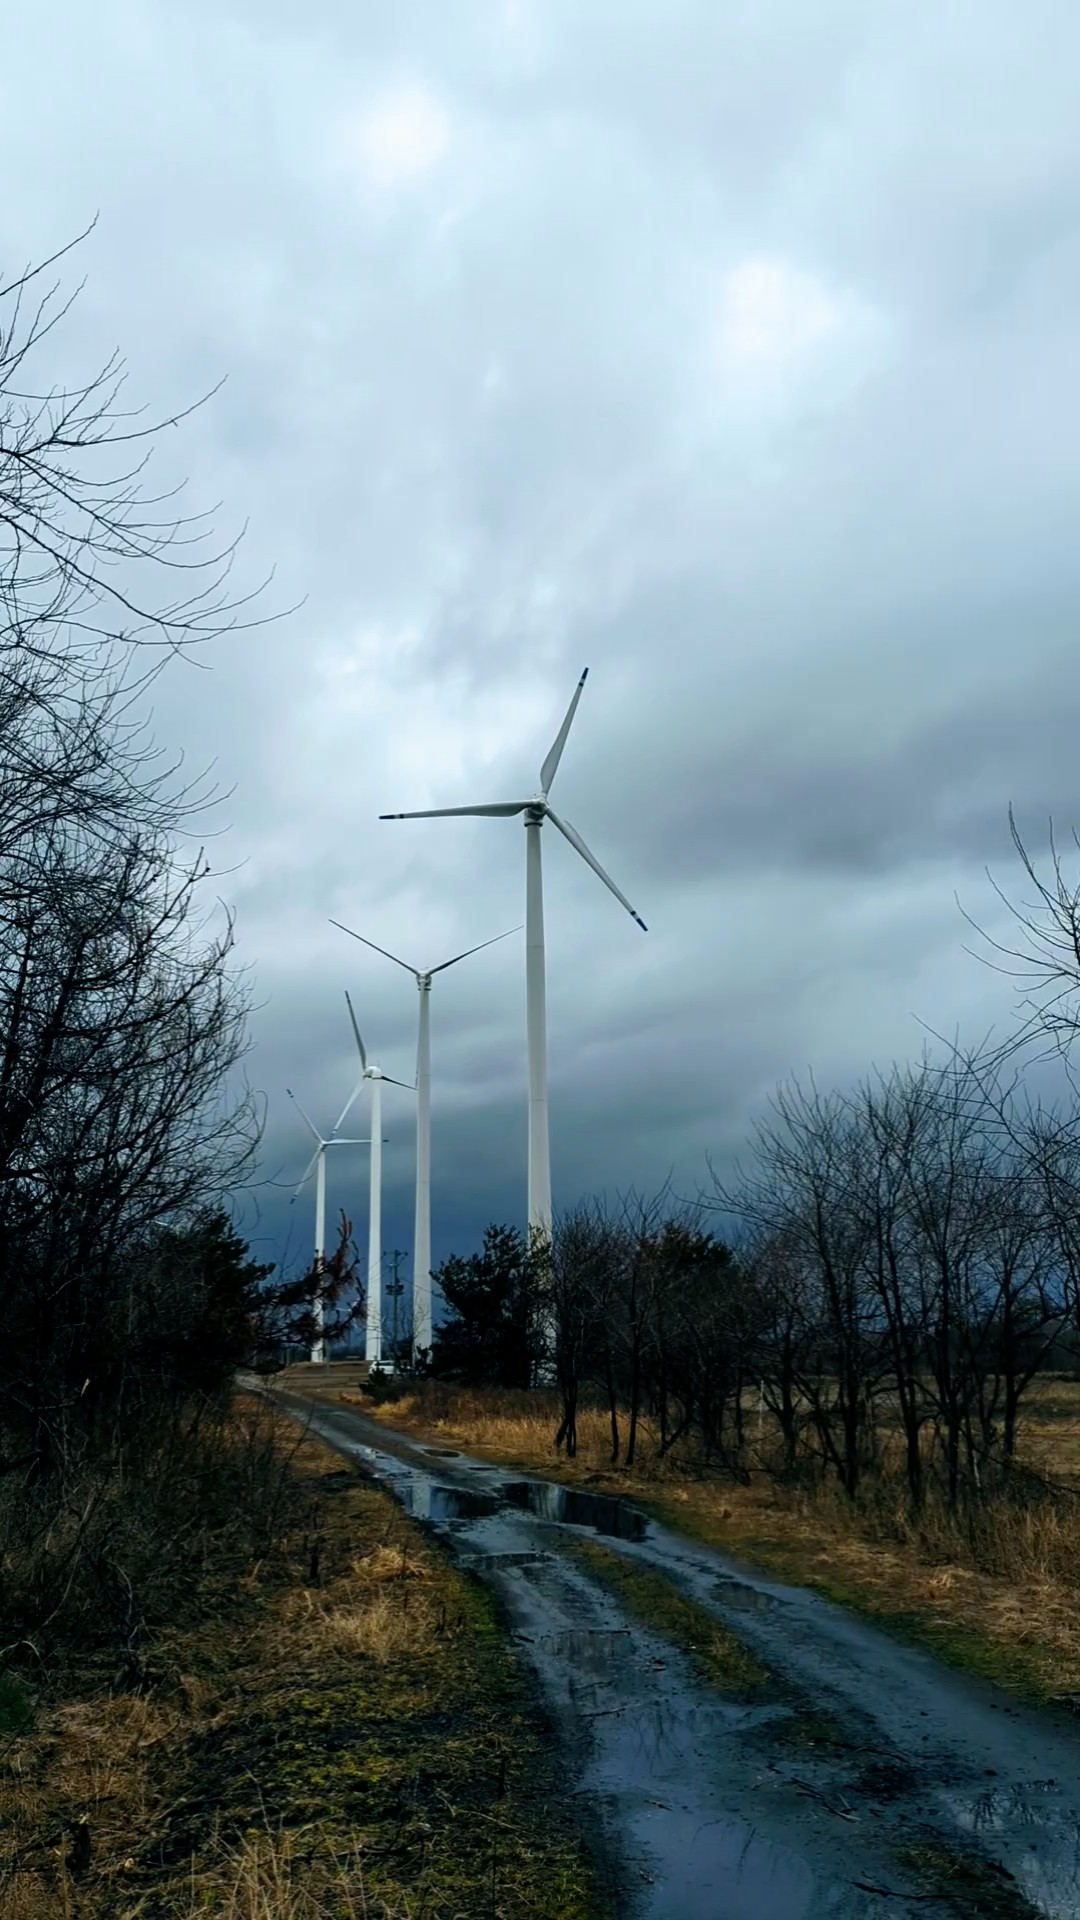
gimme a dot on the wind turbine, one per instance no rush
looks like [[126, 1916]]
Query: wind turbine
[[422, 1324], [318, 1163], [536, 811], [375, 1077]]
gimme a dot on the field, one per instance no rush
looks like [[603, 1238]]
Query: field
[[335, 1730], [995, 1592]]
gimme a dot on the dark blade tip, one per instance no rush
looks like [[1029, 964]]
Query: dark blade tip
[[584, 676], [641, 923], [391, 816]]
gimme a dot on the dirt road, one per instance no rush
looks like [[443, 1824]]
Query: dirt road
[[932, 1794]]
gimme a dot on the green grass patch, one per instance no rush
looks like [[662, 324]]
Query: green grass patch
[[433, 1760], [1020, 1668], [349, 1710], [650, 1597], [1024, 1669], [973, 1888]]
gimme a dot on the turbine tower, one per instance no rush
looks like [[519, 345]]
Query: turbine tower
[[375, 1078], [536, 810], [318, 1164], [422, 1318]]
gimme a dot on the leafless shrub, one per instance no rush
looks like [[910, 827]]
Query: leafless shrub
[[122, 1018]]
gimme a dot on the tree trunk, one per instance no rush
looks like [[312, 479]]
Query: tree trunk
[[613, 1410]]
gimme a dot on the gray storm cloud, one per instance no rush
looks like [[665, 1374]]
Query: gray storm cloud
[[731, 352]]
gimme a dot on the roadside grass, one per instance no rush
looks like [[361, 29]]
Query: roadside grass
[[720, 1658], [338, 1729], [994, 1593], [288, 1876]]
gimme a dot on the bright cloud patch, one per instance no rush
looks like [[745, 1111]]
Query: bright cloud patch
[[782, 331], [401, 137], [773, 316]]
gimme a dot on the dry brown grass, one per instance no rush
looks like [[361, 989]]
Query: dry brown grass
[[995, 1590], [507, 1422], [287, 1876], [325, 1741], [382, 1608]]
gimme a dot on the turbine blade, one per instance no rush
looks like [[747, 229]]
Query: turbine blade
[[374, 947], [388, 1080], [359, 1042], [551, 765], [341, 1141], [499, 809], [346, 1108], [570, 833], [309, 1123], [311, 1165], [484, 943]]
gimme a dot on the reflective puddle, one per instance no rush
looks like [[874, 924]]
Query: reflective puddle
[[735, 1593], [427, 1500], [706, 1814], [567, 1506]]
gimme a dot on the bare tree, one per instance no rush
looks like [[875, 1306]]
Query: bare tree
[[122, 1019], [577, 1267], [804, 1192], [1045, 962], [85, 544]]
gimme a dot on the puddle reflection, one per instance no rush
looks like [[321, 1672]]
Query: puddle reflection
[[568, 1506], [427, 1500]]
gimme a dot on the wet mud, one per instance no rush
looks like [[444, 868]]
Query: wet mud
[[710, 1807]]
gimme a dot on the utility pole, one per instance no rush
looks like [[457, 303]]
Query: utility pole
[[395, 1290]]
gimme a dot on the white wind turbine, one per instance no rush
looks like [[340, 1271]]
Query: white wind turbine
[[422, 1319], [536, 810], [375, 1077], [318, 1163]]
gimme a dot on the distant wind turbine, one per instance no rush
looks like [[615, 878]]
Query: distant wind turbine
[[374, 1077], [422, 1318], [317, 1163], [536, 811]]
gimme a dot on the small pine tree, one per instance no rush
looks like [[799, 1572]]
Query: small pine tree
[[492, 1334]]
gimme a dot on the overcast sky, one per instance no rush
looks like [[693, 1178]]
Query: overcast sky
[[730, 350]]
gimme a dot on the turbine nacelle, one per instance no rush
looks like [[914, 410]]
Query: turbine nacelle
[[323, 1142], [422, 1320], [423, 978], [536, 809]]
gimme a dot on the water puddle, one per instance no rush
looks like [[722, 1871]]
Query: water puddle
[[734, 1593], [1037, 1835], [500, 1560], [427, 1500], [701, 1859], [569, 1507], [698, 1819]]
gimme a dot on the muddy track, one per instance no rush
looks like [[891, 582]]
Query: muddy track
[[709, 1806]]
